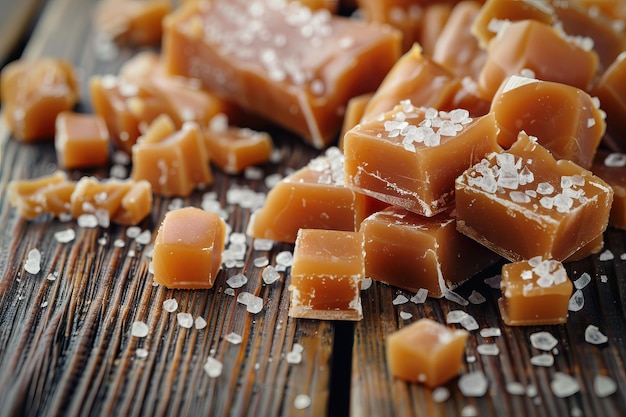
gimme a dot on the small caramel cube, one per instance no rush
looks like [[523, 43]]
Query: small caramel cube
[[409, 157], [611, 167], [412, 251], [174, 162], [135, 206], [326, 275], [611, 90], [523, 203], [134, 22], [564, 119], [534, 292], [33, 93], [426, 352], [81, 140], [46, 194], [188, 248]]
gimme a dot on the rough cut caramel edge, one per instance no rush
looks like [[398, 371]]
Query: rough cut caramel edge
[[502, 306], [47, 194], [303, 312], [94, 148], [135, 22]]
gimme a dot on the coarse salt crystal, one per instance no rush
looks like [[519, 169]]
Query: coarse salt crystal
[[260, 262], [141, 353], [564, 385], [454, 297], [420, 296], [200, 323], [494, 281], [293, 357], [582, 281], [185, 320], [263, 244], [543, 341], [469, 411], [405, 315], [65, 236], [515, 388], [144, 237], [490, 332], [255, 304], [615, 160], [440, 394], [87, 221], [233, 338], [301, 401], [400, 299], [32, 265], [594, 336], [543, 359], [133, 231], [270, 275], [473, 384], [284, 258], [476, 298], [604, 386], [170, 305], [213, 367], [488, 349], [366, 283], [237, 281], [139, 329], [607, 255]]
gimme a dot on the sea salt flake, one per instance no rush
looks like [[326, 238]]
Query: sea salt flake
[[515, 388], [261, 261], [263, 244], [594, 336], [473, 384], [490, 332], [170, 305], [233, 338], [604, 386], [469, 411], [582, 281], [456, 298], [400, 299], [455, 316], [615, 160], [213, 367], [32, 265], [543, 359], [301, 402], [270, 275], [65, 236], [87, 221], [255, 304], [139, 329], [476, 298], [133, 231], [141, 353], [119, 243], [576, 301], [440, 394], [543, 341], [366, 283], [144, 237], [469, 323], [607, 255], [604, 278], [293, 357], [185, 320], [199, 323], [237, 281], [564, 385], [229, 291], [284, 258], [420, 296], [405, 315], [488, 349], [494, 281], [52, 276]]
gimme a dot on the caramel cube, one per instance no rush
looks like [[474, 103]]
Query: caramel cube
[[611, 167], [354, 114], [611, 90], [174, 162], [534, 292], [426, 352], [326, 275], [188, 249], [33, 93], [409, 157], [434, 19], [564, 119], [134, 22], [81, 140], [294, 66], [47, 194], [412, 251], [523, 203]]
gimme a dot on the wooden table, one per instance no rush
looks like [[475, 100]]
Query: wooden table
[[65, 333]]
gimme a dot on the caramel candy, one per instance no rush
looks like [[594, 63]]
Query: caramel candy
[[233, 149], [47, 194], [33, 93], [354, 114], [433, 21], [611, 90], [295, 66], [409, 157], [534, 292], [314, 197], [413, 252], [523, 203], [426, 352], [530, 45], [188, 249], [326, 275], [564, 119], [174, 162], [611, 167], [134, 22], [592, 248], [81, 140]]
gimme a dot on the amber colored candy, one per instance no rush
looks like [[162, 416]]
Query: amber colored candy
[[611, 90], [611, 167], [591, 248], [188, 249], [530, 45], [301, 76], [412, 252], [410, 157], [426, 351], [47, 194], [134, 22], [33, 93], [523, 203], [354, 113], [174, 162], [81, 140], [314, 197], [326, 275], [564, 119], [534, 292], [434, 19]]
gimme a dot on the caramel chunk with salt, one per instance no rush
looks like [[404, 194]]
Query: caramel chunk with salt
[[295, 66], [188, 249], [33, 93], [426, 351], [326, 275], [134, 22], [81, 140], [611, 90], [47, 194], [523, 203], [564, 119], [529, 45], [611, 167], [534, 292], [409, 157], [413, 252], [174, 162]]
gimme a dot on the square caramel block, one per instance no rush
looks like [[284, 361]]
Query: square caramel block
[[523, 203], [34, 92], [188, 249], [81, 140], [565, 120], [134, 22], [534, 292], [425, 351], [326, 275], [294, 66], [46, 194], [611, 90], [411, 251], [409, 157], [611, 167], [314, 197]]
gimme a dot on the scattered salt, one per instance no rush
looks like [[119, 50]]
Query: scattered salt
[[543, 341], [515, 388], [544, 359], [284, 258], [615, 160], [576, 301], [594, 336], [200, 323], [366, 283], [52, 276], [488, 349], [564, 385], [400, 299], [229, 291], [144, 237], [490, 332], [440, 394], [139, 329], [607, 255], [476, 298], [270, 275], [293, 357], [604, 386], [494, 281], [604, 278], [119, 243], [455, 316], [32, 265], [170, 305], [185, 320], [469, 323], [473, 384], [469, 411], [255, 304], [141, 353], [65, 236], [582, 281], [263, 244], [233, 338], [237, 281], [87, 221], [456, 298], [261, 261], [133, 231], [405, 315], [420, 296], [213, 367], [44, 304], [302, 401]]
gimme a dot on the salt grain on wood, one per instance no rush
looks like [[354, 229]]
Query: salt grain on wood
[[32, 265], [488, 349], [237, 281], [400, 299], [603, 386], [213, 367], [576, 301], [139, 329], [420, 296], [441, 394], [185, 320], [302, 401], [366, 283], [543, 341], [594, 336], [233, 338], [544, 359], [200, 323], [170, 305], [564, 385], [473, 384], [65, 236]]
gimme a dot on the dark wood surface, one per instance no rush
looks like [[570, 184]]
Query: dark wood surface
[[66, 346]]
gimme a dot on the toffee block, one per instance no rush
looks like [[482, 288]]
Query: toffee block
[[47, 194], [81, 140], [133, 22], [611, 90], [611, 167]]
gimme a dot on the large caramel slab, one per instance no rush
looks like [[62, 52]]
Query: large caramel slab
[[611, 90], [292, 65]]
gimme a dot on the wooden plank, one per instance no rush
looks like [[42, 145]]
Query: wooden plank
[[15, 22]]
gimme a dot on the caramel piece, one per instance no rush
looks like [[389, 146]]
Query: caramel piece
[[433, 21], [135, 206], [314, 197], [412, 251], [46, 194], [326, 275], [33, 93], [133, 22], [611, 167], [534, 292], [354, 113], [81, 140], [426, 351], [188, 249], [564, 119], [409, 157], [417, 78], [523, 203], [592, 248], [295, 66], [174, 162], [233, 149], [611, 90], [529, 45]]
